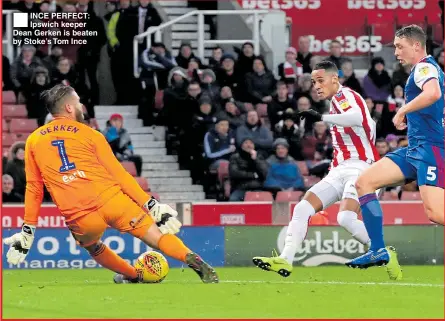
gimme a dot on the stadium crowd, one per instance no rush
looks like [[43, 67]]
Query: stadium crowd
[[232, 115]]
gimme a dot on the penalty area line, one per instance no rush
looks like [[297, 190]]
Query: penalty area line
[[433, 285]]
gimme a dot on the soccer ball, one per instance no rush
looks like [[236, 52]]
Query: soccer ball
[[152, 267]]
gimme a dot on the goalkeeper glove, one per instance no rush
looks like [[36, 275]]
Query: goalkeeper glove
[[164, 216], [20, 243], [311, 115]]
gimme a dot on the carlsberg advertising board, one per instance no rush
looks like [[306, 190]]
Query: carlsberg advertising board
[[332, 245]]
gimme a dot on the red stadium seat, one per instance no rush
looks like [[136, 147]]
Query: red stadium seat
[[388, 196], [155, 195], [143, 183], [286, 196], [22, 125], [381, 24], [310, 181], [411, 196], [302, 166], [8, 139], [130, 167], [223, 172], [5, 126], [8, 97], [405, 18], [438, 33], [258, 197], [14, 111], [159, 99], [262, 110], [5, 152]]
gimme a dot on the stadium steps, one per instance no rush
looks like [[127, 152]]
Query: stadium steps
[[161, 170], [187, 29]]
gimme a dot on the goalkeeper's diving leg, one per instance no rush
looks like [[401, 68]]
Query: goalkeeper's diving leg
[[320, 196]]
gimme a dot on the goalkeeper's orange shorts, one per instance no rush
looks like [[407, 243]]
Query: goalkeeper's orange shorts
[[121, 213]]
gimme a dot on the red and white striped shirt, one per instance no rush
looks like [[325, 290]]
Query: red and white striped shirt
[[355, 142]]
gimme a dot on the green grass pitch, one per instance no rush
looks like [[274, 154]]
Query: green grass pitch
[[320, 292]]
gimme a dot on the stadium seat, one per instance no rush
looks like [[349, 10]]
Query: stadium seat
[[130, 168], [5, 126], [405, 18], [143, 183], [8, 97], [310, 181], [381, 24], [159, 99], [388, 196], [302, 166], [438, 33], [223, 172], [5, 152], [8, 139], [155, 195], [411, 196], [258, 197], [14, 111], [262, 110], [286, 196], [22, 125]]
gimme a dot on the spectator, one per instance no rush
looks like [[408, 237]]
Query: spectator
[[88, 55], [9, 194], [28, 6], [35, 104], [382, 146], [247, 170], [439, 59], [193, 71], [23, 68], [6, 74], [306, 125], [393, 142], [291, 69], [219, 143], [258, 133], [315, 60], [50, 62], [318, 144], [65, 73], [209, 86], [401, 74], [377, 83], [304, 56], [288, 130], [245, 58], [349, 79], [335, 49], [304, 86], [16, 167], [174, 97], [229, 76], [111, 9], [120, 142], [260, 83], [279, 103], [283, 173], [393, 103], [185, 55], [227, 95], [322, 106], [231, 114], [215, 60]]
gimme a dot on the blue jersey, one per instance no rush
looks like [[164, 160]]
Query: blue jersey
[[425, 126]]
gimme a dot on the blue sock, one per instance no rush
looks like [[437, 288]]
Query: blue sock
[[373, 219]]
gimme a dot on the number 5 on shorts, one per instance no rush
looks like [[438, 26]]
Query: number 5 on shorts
[[430, 174]]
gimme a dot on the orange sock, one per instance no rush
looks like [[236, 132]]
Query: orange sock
[[110, 260], [173, 246]]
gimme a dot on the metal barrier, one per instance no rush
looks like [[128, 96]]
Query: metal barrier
[[7, 39], [201, 39]]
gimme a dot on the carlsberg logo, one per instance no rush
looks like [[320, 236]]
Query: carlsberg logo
[[324, 247]]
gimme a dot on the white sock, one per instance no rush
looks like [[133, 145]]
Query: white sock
[[351, 223], [297, 230]]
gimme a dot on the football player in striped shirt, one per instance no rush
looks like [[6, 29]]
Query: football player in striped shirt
[[353, 138]]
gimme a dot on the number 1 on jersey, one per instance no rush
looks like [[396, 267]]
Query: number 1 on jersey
[[66, 165]]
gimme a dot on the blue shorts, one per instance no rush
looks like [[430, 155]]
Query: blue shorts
[[424, 163]]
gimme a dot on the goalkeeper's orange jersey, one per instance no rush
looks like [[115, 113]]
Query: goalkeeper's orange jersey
[[78, 167]]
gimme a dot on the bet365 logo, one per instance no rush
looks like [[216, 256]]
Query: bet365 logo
[[324, 246]]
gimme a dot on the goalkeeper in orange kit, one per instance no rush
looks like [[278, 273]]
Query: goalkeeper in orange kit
[[93, 191]]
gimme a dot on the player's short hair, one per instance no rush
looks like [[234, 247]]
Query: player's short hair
[[54, 96], [327, 65], [414, 33]]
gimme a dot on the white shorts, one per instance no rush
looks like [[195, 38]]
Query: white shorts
[[340, 182]]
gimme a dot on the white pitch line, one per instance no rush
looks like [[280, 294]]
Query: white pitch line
[[434, 285]]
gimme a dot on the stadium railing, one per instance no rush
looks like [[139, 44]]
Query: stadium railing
[[201, 39]]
